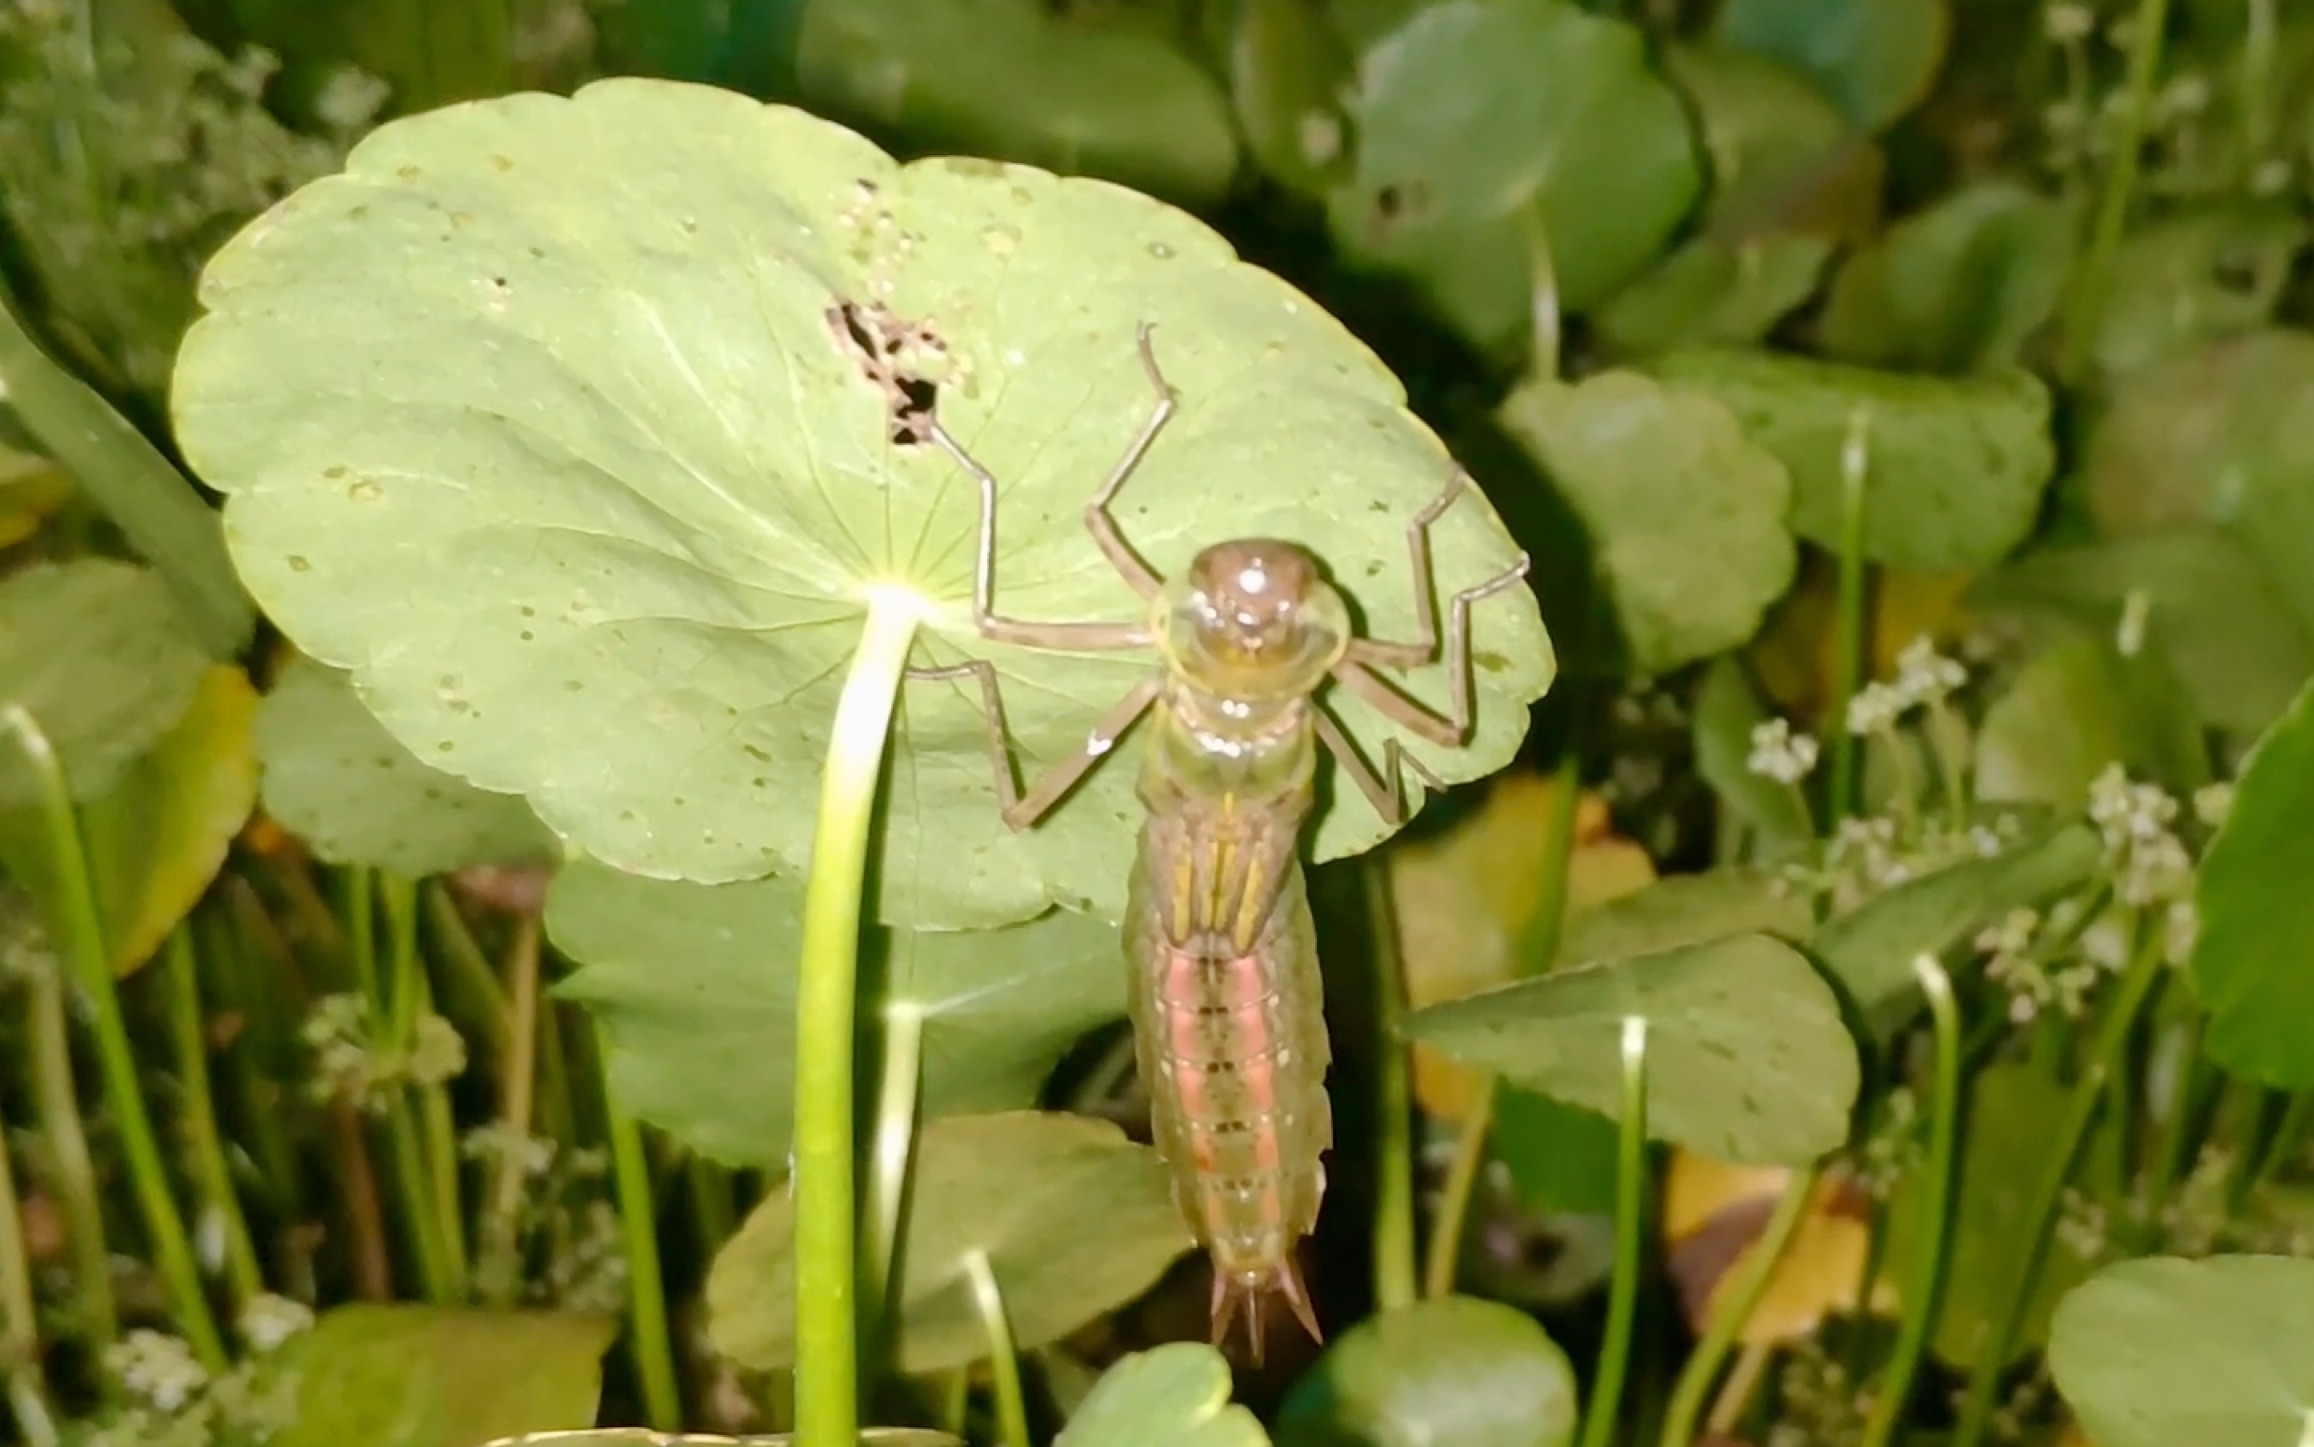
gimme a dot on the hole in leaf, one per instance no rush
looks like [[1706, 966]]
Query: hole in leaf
[[892, 354]]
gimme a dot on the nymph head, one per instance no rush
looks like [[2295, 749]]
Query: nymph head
[[1254, 617]]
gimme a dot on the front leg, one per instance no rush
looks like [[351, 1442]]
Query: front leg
[[1020, 811]]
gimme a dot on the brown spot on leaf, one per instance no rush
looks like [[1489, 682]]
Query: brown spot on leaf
[[890, 353]]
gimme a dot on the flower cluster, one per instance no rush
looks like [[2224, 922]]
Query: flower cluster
[[1780, 754], [350, 1064]]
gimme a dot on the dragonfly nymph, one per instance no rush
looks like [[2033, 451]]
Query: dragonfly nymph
[[1226, 999]]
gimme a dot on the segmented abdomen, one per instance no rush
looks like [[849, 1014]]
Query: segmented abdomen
[[1233, 1053]]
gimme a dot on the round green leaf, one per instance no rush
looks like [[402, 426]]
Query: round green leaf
[[1959, 287], [356, 796], [155, 843], [645, 1437], [1176, 1395], [1877, 58], [595, 515], [1475, 276], [1690, 909], [2218, 436], [1450, 1369], [2257, 918], [1768, 130], [1714, 292], [1075, 1220], [1287, 69], [1477, 110], [2238, 647], [1746, 1057], [1658, 478], [1955, 467], [2219, 1353], [1020, 80], [706, 1050], [421, 1376], [2211, 272], [2078, 706], [101, 655]]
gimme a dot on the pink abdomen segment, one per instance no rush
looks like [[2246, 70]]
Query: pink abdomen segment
[[1240, 1104]]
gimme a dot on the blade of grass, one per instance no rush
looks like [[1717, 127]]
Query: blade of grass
[[160, 512], [29, 1402], [219, 1199], [116, 1058], [1736, 1302]]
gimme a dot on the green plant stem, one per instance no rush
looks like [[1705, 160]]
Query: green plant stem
[[1736, 1302], [1855, 579], [885, 1196], [517, 1092], [1630, 1229], [2283, 1144], [2113, 1032], [827, 1340], [1003, 1360], [1924, 1285], [21, 1376], [1395, 1270], [407, 1149], [2260, 50], [183, 969], [653, 1348], [92, 971], [1444, 1256], [359, 887], [484, 1001], [56, 1097], [1542, 291], [2085, 306], [1544, 933], [711, 1214]]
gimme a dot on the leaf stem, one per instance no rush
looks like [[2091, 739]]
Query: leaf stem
[[56, 1096], [1544, 932], [886, 1192], [26, 1384], [1738, 1298], [92, 970], [1542, 290], [183, 969], [653, 1348], [1630, 1227], [827, 1341], [2136, 983], [517, 1094], [1924, 1286], [1004, 1360], [1849, 639], [2086, 304], [1445, 1246], [1395, 1269]]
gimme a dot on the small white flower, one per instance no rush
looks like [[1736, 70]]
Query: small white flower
[[2211, 803], [268, 1321], [1875, 707], [158, 1369], [1924, 675], [1780, 754], [2068, 22]]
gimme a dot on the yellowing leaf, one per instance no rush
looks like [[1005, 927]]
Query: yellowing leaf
[[1797, 653], [1713, 1214], [1464, 897], [157, 839]]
